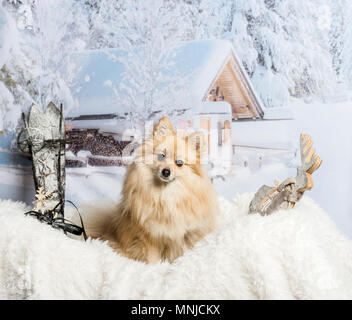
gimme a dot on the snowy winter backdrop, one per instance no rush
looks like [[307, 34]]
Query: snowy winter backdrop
[[297, 53], [290, 49]]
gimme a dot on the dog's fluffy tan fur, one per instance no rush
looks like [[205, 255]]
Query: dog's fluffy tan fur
[[159, 218]]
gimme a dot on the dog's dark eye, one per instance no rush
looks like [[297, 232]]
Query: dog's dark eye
[[161, 156], [179, 163]]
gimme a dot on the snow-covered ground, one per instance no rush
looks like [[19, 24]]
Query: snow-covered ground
[[329, 126]]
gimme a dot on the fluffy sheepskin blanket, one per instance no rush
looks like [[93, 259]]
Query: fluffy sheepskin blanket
[[297, 254]]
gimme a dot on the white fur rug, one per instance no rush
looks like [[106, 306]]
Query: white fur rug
[[289, 255]]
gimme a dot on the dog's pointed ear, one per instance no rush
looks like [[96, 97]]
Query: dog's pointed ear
[[163, 128], [196, 140]]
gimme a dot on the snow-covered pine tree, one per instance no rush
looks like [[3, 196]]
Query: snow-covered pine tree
[[45, 33], [282, 48]]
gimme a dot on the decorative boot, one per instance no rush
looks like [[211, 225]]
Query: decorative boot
[[43, 137]]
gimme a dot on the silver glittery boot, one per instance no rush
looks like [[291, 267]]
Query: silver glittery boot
[[43, 137]]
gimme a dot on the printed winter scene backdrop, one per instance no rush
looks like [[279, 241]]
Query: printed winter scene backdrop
[[252, 75]]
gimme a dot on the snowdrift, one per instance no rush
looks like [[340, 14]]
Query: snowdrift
[[298, 254]]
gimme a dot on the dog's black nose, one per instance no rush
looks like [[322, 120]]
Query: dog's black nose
[[166, 173]]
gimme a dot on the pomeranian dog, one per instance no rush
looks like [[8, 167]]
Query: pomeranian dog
[[168, 202]]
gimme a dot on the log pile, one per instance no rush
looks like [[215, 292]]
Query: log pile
[[98, 144]]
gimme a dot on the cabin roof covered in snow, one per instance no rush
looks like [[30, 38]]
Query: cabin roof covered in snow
[[198, 62]]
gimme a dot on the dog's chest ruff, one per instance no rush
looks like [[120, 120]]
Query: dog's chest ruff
[[172, 213]]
